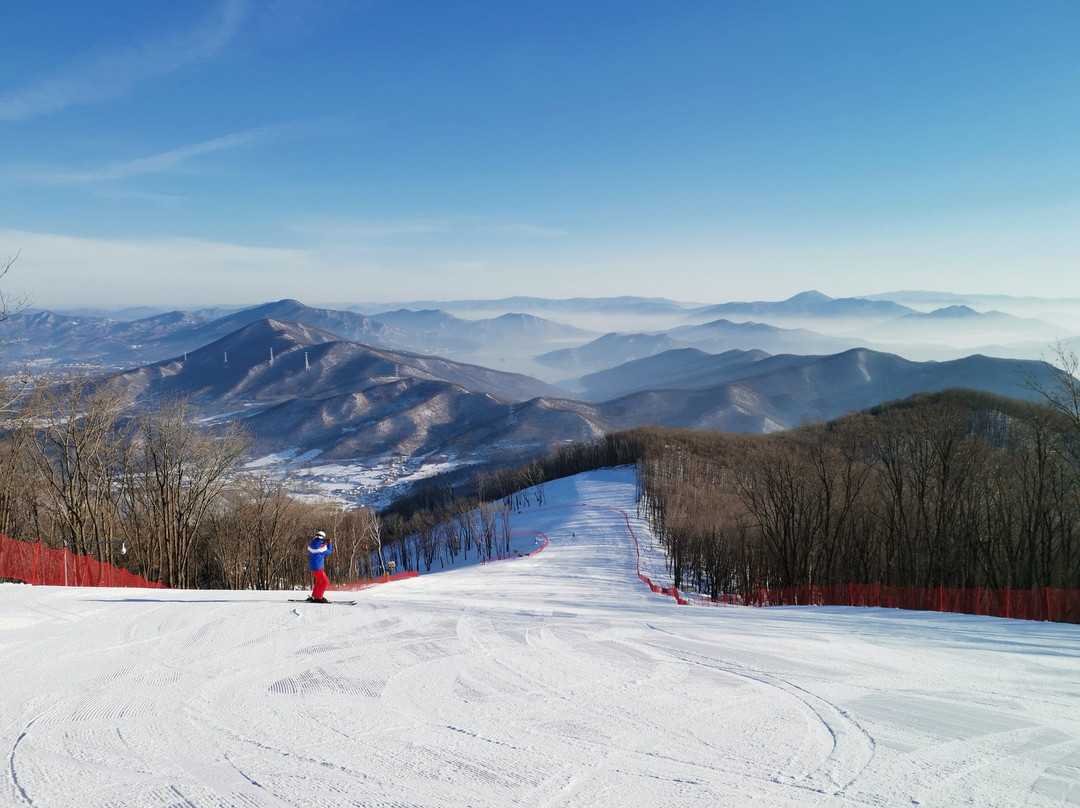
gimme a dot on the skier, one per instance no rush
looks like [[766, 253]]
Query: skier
[[318, 550]]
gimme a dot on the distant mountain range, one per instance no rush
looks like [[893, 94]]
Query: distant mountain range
[[560, 341], [400, 382], [811, 304], [55, 340], [678, 369], [306, 385], [61, 340], [728, 391], [302, 386], [963, 326]]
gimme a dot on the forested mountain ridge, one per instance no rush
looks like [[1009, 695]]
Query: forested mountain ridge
[[295, 385], [308, 382]]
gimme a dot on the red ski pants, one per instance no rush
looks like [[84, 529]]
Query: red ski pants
[[321, 582]]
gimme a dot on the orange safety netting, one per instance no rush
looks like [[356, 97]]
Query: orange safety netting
[[44, 566], [382, 579], [1054, 605]]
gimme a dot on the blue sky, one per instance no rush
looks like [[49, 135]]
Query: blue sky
[[336, 151]]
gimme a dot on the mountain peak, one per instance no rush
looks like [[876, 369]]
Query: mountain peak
[[812, 296], [954, 311]]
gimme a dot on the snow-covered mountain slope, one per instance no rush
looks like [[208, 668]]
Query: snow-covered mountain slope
[[554, 680]]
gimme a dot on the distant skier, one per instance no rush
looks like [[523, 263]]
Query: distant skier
[[318, 550]]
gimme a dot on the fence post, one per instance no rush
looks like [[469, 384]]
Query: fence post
[[978, 598], [1008, 601], [33, 574], [1046, 593]]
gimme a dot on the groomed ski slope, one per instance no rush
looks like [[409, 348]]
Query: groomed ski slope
[[553, 680]]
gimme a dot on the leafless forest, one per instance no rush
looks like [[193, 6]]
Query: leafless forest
[[957, 489], [154, 489]]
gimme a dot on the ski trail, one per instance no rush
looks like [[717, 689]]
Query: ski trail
[[554, 680], [13, 775]]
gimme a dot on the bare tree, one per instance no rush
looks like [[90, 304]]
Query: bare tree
[[778, 489], [79, 456], [253, 535], [1063, 396], [9, 304], [179, 468], [12, 385], [373, 532], [21, 503]]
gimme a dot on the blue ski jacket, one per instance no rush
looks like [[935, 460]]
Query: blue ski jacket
[[318, 550]]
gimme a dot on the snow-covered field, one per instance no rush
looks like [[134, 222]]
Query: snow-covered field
[[376, 482], [553, 680]]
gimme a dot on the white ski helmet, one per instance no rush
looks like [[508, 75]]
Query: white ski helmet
[[319, 534]]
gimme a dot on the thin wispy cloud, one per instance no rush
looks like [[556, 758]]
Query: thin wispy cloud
[[378, 229], [172, 159], [524, 230], [142, 196], [113, 73], [368, 229]]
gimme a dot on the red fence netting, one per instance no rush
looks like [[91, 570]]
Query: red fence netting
[[382, 579], [670, 591], [1053, 605], [44, 566]]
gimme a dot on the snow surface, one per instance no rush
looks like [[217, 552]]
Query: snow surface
[[554, 680], [376, 482]]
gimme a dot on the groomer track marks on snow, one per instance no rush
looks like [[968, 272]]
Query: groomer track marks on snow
[[555, 680]]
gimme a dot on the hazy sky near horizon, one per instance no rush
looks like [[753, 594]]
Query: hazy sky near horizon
[[335, 151]]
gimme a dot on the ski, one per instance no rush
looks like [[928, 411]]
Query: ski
[[338, 602]]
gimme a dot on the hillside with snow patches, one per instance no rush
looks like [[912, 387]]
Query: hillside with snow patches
[[361, 407], [552, 679]]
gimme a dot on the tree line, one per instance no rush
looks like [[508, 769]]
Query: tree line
[[958, 489], [454, 516], [153, 488]]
